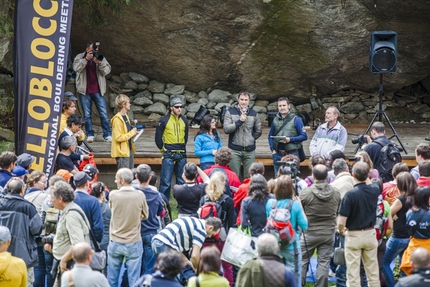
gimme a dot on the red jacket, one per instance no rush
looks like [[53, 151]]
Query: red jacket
[[240, 194], [233, 179]]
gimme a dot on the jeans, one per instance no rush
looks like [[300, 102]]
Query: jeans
[[394, 247], [158, 247], [324, 247], [100, 102], [40, 269], [245, 158], [148, 257], [277, 157], [206, 165], [49, 259], [168, 166], [290, 257], [131, 254]]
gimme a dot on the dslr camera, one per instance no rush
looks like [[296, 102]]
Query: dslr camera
[[361, 139], [46, 239], [96, 53], [290, 168]]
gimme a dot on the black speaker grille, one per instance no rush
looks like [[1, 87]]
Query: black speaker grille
[[384, 61]]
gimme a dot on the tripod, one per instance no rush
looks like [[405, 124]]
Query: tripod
[[380, 112]]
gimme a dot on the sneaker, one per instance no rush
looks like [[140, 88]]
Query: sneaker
[[331, 273], [108, 139], [90, 139]]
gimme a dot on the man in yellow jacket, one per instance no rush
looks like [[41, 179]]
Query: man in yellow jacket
[[13, 271]]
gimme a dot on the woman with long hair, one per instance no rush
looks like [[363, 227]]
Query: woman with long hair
[[253, 213], [207, 142], [208, 270], [215, 193], [390, 192], [399, 238], [364, 156], [284, 194], [418, 223], [98, 191]]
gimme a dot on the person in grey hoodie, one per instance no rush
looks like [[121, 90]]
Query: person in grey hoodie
[[320, 203]]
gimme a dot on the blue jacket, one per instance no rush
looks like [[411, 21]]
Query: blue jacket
[[24, 223], [155, 207], [91, 206], [204, 145], [4, 177]]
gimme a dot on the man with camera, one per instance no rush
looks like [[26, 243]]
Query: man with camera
[[91, 69], [286, 133], [373, 147]]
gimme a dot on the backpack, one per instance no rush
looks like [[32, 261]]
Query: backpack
[[388, 157], [50, 221], [279, 224], [381, 224], [214, 209], [227, 188]]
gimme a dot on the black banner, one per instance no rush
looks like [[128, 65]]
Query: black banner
[[42, 36]]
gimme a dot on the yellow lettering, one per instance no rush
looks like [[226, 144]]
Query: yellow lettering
[[42, 54], [38, 163], [40, 104], [44, 31], [42, 88], [39, 132], [37, 148], [45, 12], [49, 71]]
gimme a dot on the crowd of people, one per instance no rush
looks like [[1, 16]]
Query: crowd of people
[[53, 230]]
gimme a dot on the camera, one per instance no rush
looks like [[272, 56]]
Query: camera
[[290, 168], [97, 55], [361, 139], [46, 239]]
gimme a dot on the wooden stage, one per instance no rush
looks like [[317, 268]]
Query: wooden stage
[[147, 152]]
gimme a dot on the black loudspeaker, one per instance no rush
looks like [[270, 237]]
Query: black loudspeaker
[[383, 52]]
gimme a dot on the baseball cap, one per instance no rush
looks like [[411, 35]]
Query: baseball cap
[[64, 173], [91, 170], [19, 171], [4, 234], [175, 101], [71, 96], [80, 178], [24, 160]]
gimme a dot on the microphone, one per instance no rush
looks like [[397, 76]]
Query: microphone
[[244, 111], [135, 122]]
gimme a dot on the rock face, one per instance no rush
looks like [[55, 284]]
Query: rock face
[[303, 49]]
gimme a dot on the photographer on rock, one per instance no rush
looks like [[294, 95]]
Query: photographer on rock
[[375, 142]]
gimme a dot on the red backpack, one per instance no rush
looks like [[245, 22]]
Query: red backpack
[[381, 224], [214, 209], [279, 224]]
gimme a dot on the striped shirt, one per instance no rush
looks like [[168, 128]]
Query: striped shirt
[[182, 233]]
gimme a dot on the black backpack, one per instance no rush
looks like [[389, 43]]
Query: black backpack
[[388, 157]]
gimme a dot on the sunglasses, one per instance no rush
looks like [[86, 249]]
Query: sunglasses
[[177, 107], [213, 122]]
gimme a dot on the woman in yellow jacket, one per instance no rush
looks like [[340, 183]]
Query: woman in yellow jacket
[[122, 149]]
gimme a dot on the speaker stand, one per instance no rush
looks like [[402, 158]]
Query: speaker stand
[[381, 113]]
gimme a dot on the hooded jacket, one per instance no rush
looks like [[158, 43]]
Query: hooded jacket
[[321, 203], [120, 146]]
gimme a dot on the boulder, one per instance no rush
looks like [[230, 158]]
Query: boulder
[[138, 78], [157, 108]]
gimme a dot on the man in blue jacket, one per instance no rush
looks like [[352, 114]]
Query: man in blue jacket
[[150, 226], [89, 204]]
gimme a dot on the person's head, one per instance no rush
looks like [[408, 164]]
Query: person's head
[[334, 155], [320, 172], [360, 171], [271, 186], [420, 258], [98, 190], [256, 168], [123, 177], [5, 238], [364, 157], [81, 180], [331, 115], [283, 106], [258, 188], [55, 178], [340, 165], [284, 187], [37, 179], [7, 160], [68, 143], [216, 185], [176, 106], [92, 45], [61, 194], [90, 170], [210, 260], [424, 169], [290, 157], [82, 253], [143, 173], [243, 100], [422, 152], [153, 180], [65, 174], [377, 129], [207, 125], [169, 263], [122, 102], [398, 168], [213, 226], [15, 186], [406, 183], [378, 182], [75, 122], [190, 171], [316, 159], [25, 160], [223, 156], [267, 244], [421, 198], [69, 106]]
